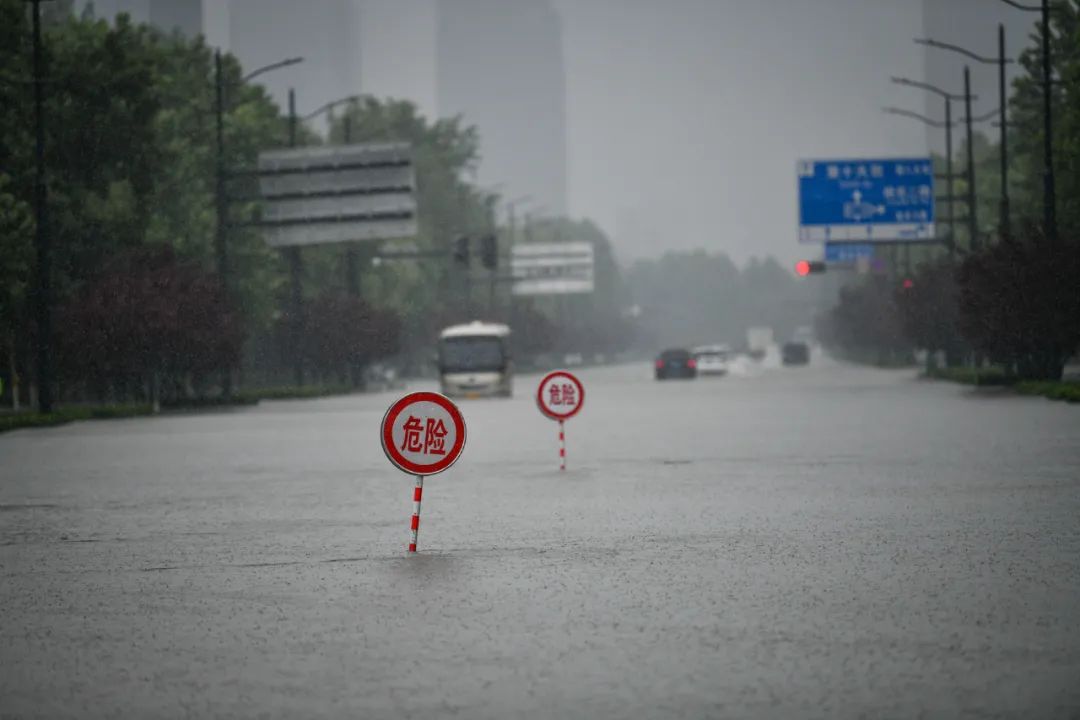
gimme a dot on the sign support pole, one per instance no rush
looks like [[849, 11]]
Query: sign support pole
[[418, 491], [562, 446], [422, 434], [560, 396]]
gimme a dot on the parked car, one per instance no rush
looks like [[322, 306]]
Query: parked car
[[795, 353], [712, 359], [676, 363]]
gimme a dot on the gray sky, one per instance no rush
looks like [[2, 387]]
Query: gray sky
[[686, 117]]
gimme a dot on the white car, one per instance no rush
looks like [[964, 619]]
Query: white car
[[712, 359]]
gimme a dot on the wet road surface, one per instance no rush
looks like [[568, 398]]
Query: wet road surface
[[817, 542]]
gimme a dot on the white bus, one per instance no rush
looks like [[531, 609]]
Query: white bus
[[474, 360]]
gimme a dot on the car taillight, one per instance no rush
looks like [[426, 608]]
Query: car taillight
[[659, 364], [691, 363]]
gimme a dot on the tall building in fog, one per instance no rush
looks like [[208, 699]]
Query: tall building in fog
[[324, 32], [397, 42], [500, 65], [973, 25], [186, 16], [183, 15]]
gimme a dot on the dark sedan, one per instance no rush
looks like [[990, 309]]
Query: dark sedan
[[796, 353], [676, 363]]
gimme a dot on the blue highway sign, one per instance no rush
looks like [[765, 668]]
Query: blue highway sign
[[848, 253], [872, 200]]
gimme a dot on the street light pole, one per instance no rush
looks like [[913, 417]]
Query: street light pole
[[1001, 61], [42, 241], [293, 254], [948, 125], [221, 198], [973, 225], [1006, 223], [948, 97], [949, 177], [221, 203], [1049, 193], [1049, 199], [352, 282], [296, 274]]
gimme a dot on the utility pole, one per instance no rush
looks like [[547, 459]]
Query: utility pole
[[1004, 229], [219, 113], [296, 274], [949, 177], [42, 242], [511, 242], [1049, 199], [973, 225], [1006, 224], [352, 282], [221, 202], [493, 224]]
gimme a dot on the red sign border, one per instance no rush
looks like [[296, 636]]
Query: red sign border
[[540, 395], [386, 433]]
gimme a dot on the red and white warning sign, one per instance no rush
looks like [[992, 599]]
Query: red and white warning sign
[[423, 433], [560, 397]]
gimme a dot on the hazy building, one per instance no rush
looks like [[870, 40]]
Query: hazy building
[[183, 15], [972, 25], [324, 32], [139, 10], [500, 65], [397, 44]]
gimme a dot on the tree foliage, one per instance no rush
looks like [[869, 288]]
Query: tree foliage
[[341, 331], [929, 308], [148, 314], [690, 298], [866, 324], [1020, 304]]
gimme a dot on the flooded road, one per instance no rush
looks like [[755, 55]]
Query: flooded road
[[811, 542]]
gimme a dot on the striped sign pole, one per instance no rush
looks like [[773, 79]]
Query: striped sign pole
[[560, 396], [562, 446], [422, 434], [418, 491]]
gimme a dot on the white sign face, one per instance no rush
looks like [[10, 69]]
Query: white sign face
[[337, 193], [423, 433], [552, 268], [560, 395]]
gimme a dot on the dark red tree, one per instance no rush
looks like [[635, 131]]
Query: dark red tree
[[148, 313], [1020, 303]]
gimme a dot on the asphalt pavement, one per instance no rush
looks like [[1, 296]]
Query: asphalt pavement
[[809, 542]]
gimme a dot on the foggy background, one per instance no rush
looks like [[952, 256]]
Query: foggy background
[[672, 125]]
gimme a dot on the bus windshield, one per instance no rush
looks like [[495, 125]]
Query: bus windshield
[[471, 354]]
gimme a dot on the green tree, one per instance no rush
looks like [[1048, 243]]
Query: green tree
[[1026, 120], [444, 151]]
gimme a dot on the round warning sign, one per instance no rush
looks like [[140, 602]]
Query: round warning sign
[[423, 433], [560, 395]]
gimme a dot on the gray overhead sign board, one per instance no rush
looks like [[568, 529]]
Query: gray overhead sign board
[[341, 193], [552, 268]]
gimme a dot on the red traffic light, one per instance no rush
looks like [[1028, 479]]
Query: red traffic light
[[809, 267], [908, 283]]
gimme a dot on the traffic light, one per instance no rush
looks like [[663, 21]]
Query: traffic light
[[908, 284], [489, 252], [461, 251], [809, 267]]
